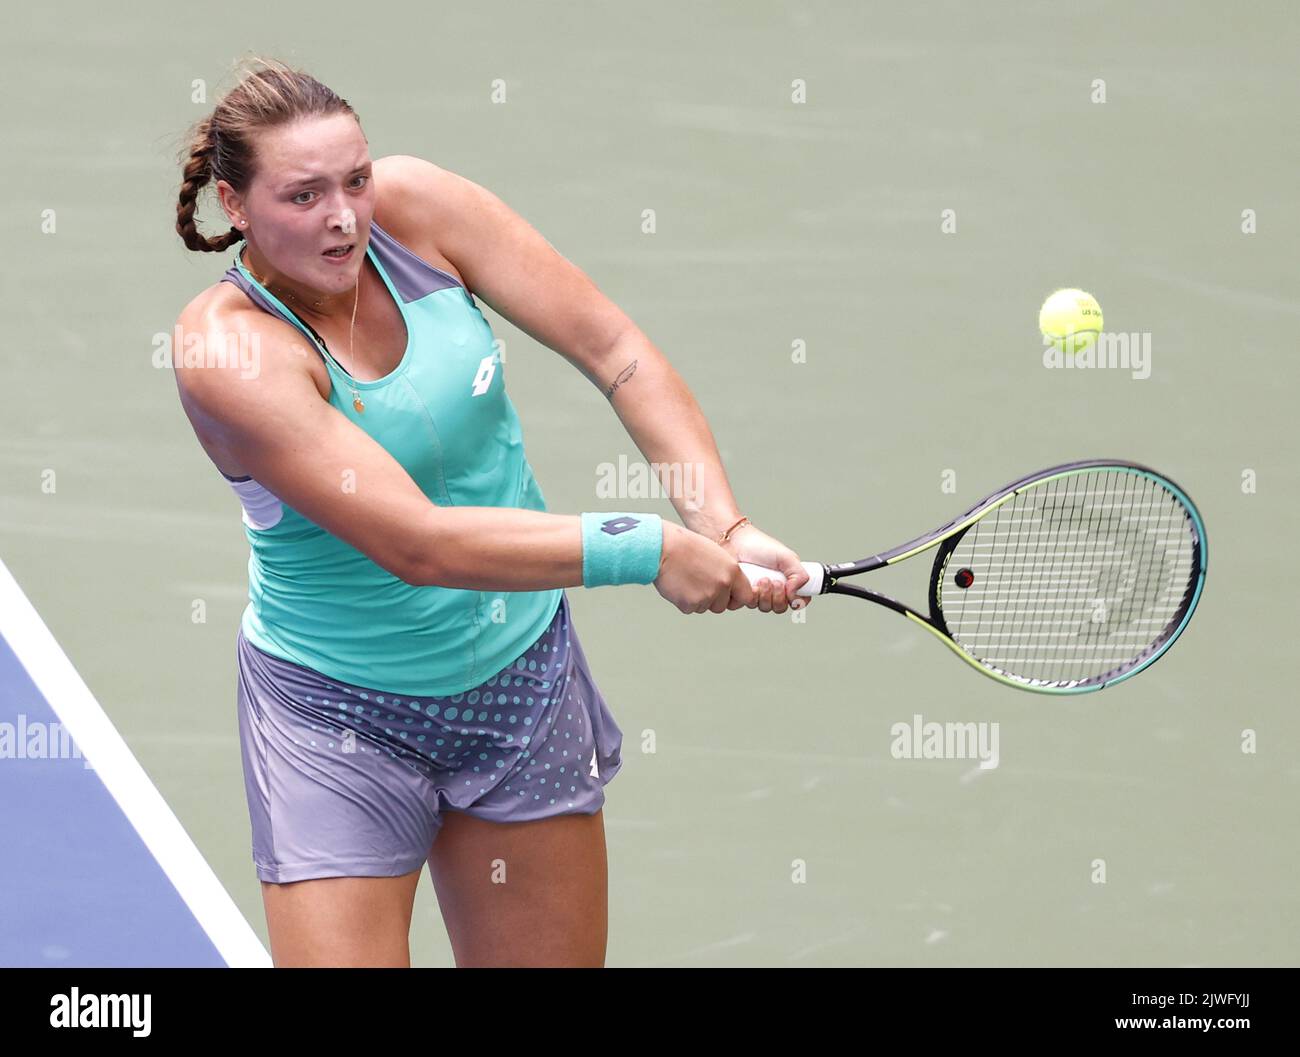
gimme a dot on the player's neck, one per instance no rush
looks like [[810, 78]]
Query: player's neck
[[320, 305]]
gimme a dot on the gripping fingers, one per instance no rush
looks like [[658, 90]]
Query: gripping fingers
[[774, 597], [771, 596]]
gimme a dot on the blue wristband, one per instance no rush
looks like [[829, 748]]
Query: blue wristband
[[620, 548]]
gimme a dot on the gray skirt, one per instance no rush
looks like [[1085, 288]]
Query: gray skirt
[[349, 781]]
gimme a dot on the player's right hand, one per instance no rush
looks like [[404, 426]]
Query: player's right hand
[[698, 576]]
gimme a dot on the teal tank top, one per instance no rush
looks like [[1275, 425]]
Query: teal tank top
[[443, 413]]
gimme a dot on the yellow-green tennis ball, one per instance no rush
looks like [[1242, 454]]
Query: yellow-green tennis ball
[[1070, 320]]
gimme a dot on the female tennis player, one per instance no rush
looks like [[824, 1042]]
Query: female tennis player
[[407, 665]]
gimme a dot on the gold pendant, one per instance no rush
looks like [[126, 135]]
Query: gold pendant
[[356, 402]]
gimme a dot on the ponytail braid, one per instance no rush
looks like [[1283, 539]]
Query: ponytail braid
[[222, 146]]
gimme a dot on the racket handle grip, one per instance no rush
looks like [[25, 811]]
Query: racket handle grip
[[816, 573]]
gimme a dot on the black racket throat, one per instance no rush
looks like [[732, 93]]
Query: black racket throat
[[832, 585]]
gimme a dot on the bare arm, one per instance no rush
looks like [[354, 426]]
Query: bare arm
[[666, 424], [309, 455], [512, 267]]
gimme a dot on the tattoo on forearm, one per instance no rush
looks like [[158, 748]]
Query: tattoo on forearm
[[623, 376]]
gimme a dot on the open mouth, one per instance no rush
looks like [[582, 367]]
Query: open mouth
[[338, 253]]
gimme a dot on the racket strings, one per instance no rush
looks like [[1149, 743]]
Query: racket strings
[[1072, 580]]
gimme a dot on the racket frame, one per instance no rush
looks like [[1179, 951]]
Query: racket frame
[[947, 536]]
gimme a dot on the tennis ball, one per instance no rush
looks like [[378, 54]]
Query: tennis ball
[[1070, 320]]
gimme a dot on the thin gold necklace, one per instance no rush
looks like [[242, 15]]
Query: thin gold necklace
[[357, 402]]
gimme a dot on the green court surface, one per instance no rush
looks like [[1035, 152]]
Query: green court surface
[[867, 375]]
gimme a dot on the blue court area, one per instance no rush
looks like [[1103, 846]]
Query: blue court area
[[95, 869]]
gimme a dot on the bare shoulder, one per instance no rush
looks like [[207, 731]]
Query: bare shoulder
[[407, 187], [211, 312], [417, 202], [219, 327], [230, 358], [503, 259]]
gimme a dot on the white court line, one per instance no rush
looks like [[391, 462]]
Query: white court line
[[102, 745]]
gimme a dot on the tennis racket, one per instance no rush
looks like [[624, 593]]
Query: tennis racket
[[1065, 581]]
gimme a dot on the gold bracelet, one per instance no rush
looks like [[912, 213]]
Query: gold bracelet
[[727, 535]]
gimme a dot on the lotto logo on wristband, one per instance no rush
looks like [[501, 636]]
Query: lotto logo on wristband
[[619, 524], [620, 547]]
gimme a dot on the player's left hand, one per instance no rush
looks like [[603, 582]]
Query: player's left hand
[[750, 544]]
